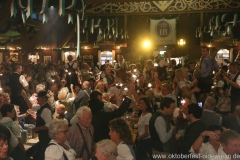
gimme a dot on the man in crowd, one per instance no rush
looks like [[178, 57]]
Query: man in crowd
[[207, 65], [192, 131], [17, 83], [52, 91], [82, 97], [233, 122], [160, 128], [230, 141], [71, 75], [51, 74], [234, 84], [44, 118], [80, 135], [167, 92], [108, 80], [208, 116]]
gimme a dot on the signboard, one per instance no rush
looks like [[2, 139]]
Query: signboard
[[163, 32]]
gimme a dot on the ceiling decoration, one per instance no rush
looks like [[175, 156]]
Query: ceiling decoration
[[164, 6]]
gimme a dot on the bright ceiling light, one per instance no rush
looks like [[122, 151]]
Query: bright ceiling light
[[146, 44]]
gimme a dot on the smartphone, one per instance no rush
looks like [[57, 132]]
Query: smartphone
[[200, 104]]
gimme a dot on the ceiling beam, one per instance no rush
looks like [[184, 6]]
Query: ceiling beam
[[67, 38], [53, 17], [89, 2], [5, 11]]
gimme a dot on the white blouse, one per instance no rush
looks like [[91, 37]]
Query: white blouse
[[55, 152], [124, 152], [143, 121]]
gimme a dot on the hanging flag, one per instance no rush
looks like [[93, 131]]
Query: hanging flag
[[61, 10], [116, 31], [70, 18], [100, 31], [78, 35], [98, 23], [72, 5], [108, 25], [44, 6], [45, 17], [92, 26], [217, 22], [13, 9], [235, 19], [223, 18], [163, 32], [23, 17], [29, 8], [83, 9], [85, 25], [113, 30], [19, 2]]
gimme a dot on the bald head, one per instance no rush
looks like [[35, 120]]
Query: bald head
[[85, 85]]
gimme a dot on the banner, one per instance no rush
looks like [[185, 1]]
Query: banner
[[163, 32]]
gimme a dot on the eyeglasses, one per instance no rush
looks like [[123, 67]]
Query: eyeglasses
[[65, 131]]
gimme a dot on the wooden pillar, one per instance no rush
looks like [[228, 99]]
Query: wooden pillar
[[125, 28], [54, 45], [24, 41], [201, 24], [5, 11]]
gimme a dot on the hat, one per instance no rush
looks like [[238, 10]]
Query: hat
[[43, 94]]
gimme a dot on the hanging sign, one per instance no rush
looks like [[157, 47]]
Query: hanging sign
[[163, 32]]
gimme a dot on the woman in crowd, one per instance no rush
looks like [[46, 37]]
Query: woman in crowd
[[106, 150], [108, 106], [4, 148], [212, 147], [100, 87], [121, 134], [184, 87], [180, 114], [58, 148], [67, 102], [144, 139]]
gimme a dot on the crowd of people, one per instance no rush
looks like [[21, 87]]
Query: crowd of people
[[84, 111]]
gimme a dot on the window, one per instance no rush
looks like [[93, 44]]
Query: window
[[221, 55], [106, 55]]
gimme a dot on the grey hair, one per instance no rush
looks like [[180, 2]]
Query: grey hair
[[81, 109], [210, 103], [55, 126], [108, 148], [40, 87]]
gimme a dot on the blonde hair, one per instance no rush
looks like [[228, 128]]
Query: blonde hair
[[98, 84], [178, 74], [62, 94], [108, 148]]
